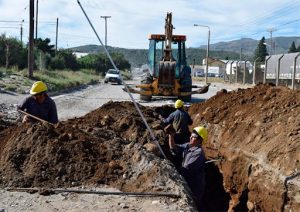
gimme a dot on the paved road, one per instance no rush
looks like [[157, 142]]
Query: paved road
[[80, 102]]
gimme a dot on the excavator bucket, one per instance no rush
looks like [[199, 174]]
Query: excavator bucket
[[166, 77]]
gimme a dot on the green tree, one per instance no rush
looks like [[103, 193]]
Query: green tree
[[56, 63], [298, 48], [44, 46], [101, 63], [69, 58], [11, 52], [261, 50], [120, 61], [292, 48]]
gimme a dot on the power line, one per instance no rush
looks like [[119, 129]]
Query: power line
[[277, 13]]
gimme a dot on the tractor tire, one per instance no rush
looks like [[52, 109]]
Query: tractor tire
[[147, 79]]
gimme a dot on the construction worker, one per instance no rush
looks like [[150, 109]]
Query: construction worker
[[180, 121], [39, 104], [193, 162]]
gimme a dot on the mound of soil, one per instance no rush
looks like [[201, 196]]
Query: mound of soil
[[253, 132], [107, 146], [256, 132]]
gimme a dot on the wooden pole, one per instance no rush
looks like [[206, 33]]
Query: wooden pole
[[37, 118]]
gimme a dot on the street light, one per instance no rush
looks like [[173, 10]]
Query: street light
[[105, 17], [269, 46], [207, 50]]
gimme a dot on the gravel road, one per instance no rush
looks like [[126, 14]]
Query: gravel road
[[76, 104]]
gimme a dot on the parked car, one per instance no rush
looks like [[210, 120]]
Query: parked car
[[113, 76]]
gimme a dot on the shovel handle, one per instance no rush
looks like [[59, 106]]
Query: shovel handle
[[37, 118]]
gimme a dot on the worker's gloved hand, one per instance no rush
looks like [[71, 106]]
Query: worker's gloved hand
[[25, 119]]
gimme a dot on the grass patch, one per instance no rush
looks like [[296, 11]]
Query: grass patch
[[58, 80], [11, 87], [55, 80]]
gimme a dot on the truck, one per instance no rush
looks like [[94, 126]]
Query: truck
[[168, 73]]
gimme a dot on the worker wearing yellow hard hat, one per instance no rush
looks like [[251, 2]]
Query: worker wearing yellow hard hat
[[39, 105], [38, 87], [180, 121], [179, 104], [193, 162]]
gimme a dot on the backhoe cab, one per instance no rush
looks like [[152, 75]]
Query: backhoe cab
[[168, 73]]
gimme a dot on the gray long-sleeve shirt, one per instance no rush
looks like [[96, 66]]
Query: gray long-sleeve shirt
[[192, 168], [46, 110], [180, 121]]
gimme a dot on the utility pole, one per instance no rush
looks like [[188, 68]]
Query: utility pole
[[21, 32], [36, 18], [241, 54], [271, 30], [56, 36], [105, 18], [31, 34]]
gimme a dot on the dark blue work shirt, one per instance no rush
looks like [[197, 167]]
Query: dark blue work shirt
[[192, 168], [180, 121], [46, 110]]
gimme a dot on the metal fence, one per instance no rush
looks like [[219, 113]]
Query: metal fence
[[282, 69], [238, 71]]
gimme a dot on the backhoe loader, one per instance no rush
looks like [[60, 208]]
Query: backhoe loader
[[168, 73]]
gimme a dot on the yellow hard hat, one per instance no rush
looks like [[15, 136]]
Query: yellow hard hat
[[201, 131], [179, 103], [38, 87]]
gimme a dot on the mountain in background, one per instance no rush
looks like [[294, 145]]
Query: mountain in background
[[223, 50], [248, 45], [139, 57]]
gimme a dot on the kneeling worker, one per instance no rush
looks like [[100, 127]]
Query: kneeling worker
[[193, 162], [39, 104]]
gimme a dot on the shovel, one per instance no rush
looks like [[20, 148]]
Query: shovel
[[37, 118]]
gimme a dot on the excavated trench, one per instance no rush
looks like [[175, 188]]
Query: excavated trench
[[253, 136]]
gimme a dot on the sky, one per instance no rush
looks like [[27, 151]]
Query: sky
[[132, 21]]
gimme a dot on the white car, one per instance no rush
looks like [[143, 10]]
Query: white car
[[113, 75]]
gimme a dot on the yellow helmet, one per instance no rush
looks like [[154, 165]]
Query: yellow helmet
[[179, 103], [38, 87], [201, 131]]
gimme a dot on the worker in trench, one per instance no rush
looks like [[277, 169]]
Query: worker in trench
[[193, 161], [39, 104], [180, 121]]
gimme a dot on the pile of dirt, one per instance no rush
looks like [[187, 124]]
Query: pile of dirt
[[109, 146], [256, 132]]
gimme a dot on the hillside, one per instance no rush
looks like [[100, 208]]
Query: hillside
[[282, 44], [138, 57]]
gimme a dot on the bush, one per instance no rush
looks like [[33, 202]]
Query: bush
[[57, 63]]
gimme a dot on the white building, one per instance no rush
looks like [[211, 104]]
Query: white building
[[235, 64], [80, 54]]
